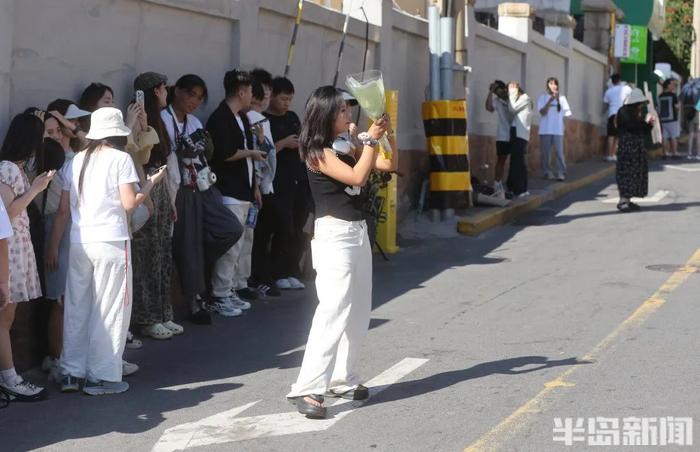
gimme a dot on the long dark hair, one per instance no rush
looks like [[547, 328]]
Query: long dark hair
[[88, 101], [555, 80], [92, 94], [318, 128], [24, 138], [160, 151], [115, 142]]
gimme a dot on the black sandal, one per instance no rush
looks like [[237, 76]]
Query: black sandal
[[359, 393], [309, 409]]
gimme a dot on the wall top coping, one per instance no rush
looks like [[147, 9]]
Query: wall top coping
[[516, 10]]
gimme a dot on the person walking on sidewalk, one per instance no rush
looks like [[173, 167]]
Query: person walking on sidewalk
[[497, 101], [553, 107], [632, 171], [520, 107], [614, 97], [340, 252]]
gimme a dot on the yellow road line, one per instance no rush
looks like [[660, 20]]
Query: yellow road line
[[509, 426]]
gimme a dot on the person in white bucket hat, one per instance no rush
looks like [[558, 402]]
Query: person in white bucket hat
[[98, 191], [632, 169]]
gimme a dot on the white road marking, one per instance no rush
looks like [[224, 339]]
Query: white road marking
[[658, 196], [224, 427], [683, 168]]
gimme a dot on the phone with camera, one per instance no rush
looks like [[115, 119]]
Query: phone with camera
[[138, 97]]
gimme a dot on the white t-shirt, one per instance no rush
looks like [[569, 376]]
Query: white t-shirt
[[553, 122], [5, 225], [98, 214], [505, 118], [615, 96], [229, 201]]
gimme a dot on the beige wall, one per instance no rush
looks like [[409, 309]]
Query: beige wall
[[73, 42]]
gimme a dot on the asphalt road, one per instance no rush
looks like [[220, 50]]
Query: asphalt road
[[575, 311]]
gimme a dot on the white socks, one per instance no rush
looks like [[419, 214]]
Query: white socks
[[9, 376]]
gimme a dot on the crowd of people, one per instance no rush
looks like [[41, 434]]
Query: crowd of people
[[628, 126], [102, 207]]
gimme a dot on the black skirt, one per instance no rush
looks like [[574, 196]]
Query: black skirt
[[632, 170]]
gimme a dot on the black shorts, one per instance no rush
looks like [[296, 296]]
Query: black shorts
[[502, 148], [612, 130]]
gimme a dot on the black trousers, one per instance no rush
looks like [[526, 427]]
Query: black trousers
[[517, 174], [289, 242], [263, 270]]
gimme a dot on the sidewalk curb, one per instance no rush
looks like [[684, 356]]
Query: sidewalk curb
[[475, 224]]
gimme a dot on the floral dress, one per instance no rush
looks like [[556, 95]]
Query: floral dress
[[24, 277]]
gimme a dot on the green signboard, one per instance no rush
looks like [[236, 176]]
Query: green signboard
[[637, 45]]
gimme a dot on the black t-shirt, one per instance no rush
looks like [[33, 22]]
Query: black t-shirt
[[668, 107], [290, 168], [334, 198]]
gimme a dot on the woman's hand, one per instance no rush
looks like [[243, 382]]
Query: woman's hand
[[51, 259], [259, 132], [158, 175], [42, 181], [132, 114], [650, 119], [379, 127], [353, 130]]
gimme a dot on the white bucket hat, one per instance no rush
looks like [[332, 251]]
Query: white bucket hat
[[636, 97], [107, 122], [74, 112]]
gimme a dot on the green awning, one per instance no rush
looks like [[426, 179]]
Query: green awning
[[649, 13]]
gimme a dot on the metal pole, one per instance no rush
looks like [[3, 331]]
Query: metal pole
[[290, 51], [342, 44], [434, 48], [447, 27]]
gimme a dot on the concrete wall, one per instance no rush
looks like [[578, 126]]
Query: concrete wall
[[75, 42]]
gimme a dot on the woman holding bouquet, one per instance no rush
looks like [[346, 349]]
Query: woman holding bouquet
[[340, 250]]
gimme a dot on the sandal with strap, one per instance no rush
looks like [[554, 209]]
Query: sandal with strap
[[360, 392], [157, 331], [310, 410]]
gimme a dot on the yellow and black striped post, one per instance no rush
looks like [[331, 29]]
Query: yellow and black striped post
[[445, 123]]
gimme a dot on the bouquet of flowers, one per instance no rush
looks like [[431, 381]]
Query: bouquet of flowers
[[368, 88]]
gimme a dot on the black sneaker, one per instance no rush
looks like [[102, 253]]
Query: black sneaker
[[247, 294], [634, 206], [624, 207], [270, 290]]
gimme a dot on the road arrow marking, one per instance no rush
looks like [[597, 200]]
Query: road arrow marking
[[658, 196], [224, 427], [683, 168]]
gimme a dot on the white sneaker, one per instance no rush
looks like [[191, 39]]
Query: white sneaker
[[237, 303], [295, 283], [224, 307], [174, 327], [105, 387], [561, 177], [284, 284], [129, 368], [524, 194], [548, 176], [23, 390]]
